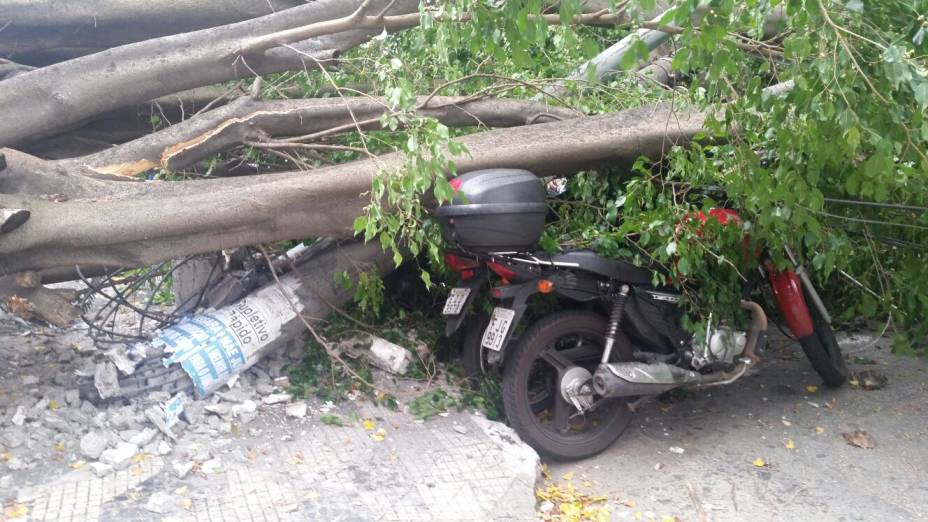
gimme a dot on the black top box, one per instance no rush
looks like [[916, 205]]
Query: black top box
[[495, 210]]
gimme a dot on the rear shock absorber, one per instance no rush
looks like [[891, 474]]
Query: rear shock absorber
[[615, 317]]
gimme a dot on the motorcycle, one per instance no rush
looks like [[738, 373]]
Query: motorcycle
[[571, 378]]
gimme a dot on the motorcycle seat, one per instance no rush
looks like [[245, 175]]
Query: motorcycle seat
[[621, 271]]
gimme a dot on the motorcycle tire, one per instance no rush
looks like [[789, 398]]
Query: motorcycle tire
[[520, 371], [473, 356], [823, 350]]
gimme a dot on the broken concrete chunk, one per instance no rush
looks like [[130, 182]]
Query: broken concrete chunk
[[106, 380], [296, 410], [163, 448], [100, 469], [211, 466], [13, 437], [119, 456], [388, 356], [92, 445], [161, 503], [144, 437], [73, 398], [277, 398], [19, 417], [181, 468]]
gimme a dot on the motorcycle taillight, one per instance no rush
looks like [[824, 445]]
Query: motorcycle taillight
[[501, 270], [462, 265]]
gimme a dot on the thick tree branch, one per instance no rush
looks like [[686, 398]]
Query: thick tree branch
[[163, 220], [47, 100], [42, 32]]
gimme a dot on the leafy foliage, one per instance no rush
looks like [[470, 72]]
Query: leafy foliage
[[834, 164]]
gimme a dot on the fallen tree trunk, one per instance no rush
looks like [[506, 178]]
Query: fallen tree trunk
[[156, 221], [42, 32], [47, 100]]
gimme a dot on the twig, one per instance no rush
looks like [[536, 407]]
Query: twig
[[701, 513]]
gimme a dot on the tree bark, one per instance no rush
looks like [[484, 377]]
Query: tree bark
[[156, 221], [42, 32], [47, 100]]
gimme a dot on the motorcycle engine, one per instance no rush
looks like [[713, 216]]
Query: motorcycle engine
[[722, 345]]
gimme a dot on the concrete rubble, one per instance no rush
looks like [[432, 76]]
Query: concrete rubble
[[48, 428]]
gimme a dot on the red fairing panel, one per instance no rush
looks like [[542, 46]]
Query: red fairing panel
[[787, 289]]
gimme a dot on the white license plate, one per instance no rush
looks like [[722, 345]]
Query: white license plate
[[495, 333], [456, 300]]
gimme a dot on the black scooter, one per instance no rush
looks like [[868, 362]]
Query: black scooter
[[570, 376]]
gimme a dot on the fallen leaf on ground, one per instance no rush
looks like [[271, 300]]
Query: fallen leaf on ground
[[566, 504], [871, 380], [786, 422], [379, 435], [831, 404], [811, 388], [16, 511], [369, 425], [568, 476], [819, 429], [53, 404], [859, 438], [78, 464], [760, 463], [186, 504], [790, 444]]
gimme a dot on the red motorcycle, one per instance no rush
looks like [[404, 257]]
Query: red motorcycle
[[571, 378]]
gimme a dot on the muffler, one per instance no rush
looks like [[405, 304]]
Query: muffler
[[631, 379]]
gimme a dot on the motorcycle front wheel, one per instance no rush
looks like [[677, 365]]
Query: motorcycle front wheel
[[823, 350], [531, 377]]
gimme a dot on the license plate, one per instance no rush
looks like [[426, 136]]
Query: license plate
[[495, 333], [456, 300]]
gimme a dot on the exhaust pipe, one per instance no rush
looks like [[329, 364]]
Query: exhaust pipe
[[631, 379]]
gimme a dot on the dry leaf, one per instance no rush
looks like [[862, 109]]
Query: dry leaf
[[379, 435], [790, 444], [369, 425], [16, 511], [819, 429], [811, 388], [78, 464], [859, 438], [53, 404], [20, 306], [60, 447], [831, 404], [568, 476], [186, 504], [760, 463]]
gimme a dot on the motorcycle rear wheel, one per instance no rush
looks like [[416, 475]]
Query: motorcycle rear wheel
[[473, 355], [557, 430]]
